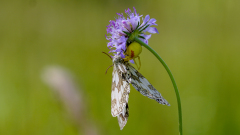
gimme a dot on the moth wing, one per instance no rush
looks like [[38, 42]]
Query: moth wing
[[141, 84], [120, 94], [123, 117]]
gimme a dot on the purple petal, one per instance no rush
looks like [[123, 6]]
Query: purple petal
[[122, 55], [123, 46], [109, 30], [135, 11], [122, 39], [106, 36], [134, 21], [118, 49], [147, 17], [132, 61], [151, 30], [126, 25], [152, 21], [146, 42], [109, 44], [147, 36], [120, 15], [127, 11]]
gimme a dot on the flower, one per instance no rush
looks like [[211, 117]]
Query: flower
[[123, 30]]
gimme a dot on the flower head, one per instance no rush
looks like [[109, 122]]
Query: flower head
[[123, 30]]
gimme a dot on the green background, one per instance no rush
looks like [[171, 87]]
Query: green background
[[198, 39]]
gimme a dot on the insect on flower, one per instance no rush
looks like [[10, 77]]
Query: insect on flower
[[123, 30], [124, 49], [123, 74]]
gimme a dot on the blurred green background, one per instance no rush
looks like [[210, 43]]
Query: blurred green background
[[199, 40]]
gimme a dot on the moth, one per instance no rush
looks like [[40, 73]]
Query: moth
[[123, 74]]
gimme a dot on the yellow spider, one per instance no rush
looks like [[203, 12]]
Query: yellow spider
[[132, 52]]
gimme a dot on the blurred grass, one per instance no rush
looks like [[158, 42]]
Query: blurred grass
[[199, 40]]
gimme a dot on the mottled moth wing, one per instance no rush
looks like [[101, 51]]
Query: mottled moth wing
[[120, 91], [141, 84]]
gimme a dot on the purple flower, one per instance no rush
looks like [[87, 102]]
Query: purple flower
[[121, 29]]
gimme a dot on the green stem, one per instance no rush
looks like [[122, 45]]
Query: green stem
[[172, 79]]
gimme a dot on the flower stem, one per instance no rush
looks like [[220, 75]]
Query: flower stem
[[172, 79]]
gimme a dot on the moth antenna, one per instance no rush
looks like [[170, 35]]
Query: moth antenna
[[108, 55], [107, 69]]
